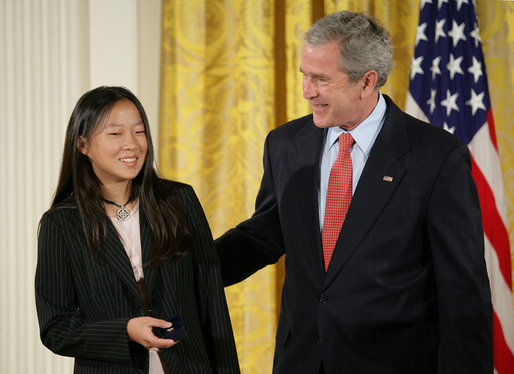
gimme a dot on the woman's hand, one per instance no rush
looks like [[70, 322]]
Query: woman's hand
[[139, 329]]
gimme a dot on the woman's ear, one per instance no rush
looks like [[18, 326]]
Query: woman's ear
[[82, 145]]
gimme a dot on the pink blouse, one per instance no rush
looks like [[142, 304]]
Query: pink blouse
[[130, 238]]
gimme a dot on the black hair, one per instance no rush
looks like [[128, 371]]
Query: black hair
[[78, 182]]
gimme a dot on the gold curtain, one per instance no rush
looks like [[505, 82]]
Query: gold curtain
[[229, 74]]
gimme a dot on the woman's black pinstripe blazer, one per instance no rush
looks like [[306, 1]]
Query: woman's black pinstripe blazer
[[83, 306]]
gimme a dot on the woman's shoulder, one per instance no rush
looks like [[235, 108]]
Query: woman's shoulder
[[181, 193], [173, 185], [175, 188], [66, 206], [64, 212]]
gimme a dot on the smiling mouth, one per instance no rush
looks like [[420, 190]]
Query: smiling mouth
[[318, 107], [128, 159]]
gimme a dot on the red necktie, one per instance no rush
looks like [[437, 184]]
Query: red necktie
[[339, 197]]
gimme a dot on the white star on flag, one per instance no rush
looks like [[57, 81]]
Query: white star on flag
[[450, 102], [439, 31], [441, 3], [451, 130], [476, 69], [454, 66], [431, 101], [423, 2], [475, 34], [460, 2], [416, 67], [435, 67], [457, 32], [476, 102], [420, 34]]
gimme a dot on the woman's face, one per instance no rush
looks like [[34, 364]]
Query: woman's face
[[117, 148]]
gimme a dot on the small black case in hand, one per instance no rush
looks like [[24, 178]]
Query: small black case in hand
[[177, 331]]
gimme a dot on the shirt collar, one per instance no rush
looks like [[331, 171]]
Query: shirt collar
[[367, 131]]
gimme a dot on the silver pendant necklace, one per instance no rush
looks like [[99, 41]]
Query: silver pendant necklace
[[122, 214]]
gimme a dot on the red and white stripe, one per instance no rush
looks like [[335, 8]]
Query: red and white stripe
[[488, 177]]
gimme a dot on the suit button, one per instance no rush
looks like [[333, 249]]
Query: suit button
[[323, 299]]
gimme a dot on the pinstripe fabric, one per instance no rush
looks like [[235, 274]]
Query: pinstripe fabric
[[83, 307]]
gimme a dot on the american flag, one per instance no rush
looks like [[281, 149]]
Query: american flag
[[448, 87]]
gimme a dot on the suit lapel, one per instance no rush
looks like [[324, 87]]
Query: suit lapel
[[373, 190], [146, 252], [116, 258], [308, 143]]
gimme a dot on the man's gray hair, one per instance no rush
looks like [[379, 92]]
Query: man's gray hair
[[364, 43]]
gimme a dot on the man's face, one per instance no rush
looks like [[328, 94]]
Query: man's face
[[334, 100]]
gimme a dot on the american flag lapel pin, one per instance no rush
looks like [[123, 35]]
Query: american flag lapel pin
[[387, 178]]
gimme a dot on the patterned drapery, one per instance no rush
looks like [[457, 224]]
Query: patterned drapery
[[230, 74]]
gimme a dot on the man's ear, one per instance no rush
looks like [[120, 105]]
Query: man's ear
[[369, 82], [82, 145]]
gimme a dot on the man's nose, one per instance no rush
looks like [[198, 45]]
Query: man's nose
[[309, 88]]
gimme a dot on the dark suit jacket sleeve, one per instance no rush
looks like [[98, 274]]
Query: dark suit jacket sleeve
[[456, 241], [214, 316], [63, 329], [258, 241]]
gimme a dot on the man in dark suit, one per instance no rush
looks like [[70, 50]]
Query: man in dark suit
[[405, 289]]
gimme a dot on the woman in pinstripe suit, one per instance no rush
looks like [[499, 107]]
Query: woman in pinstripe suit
[[121, 250]]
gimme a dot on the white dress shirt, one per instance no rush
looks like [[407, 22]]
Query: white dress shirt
[[364, 135]]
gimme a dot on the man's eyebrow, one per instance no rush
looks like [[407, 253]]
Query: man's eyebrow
[[315, 76]]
